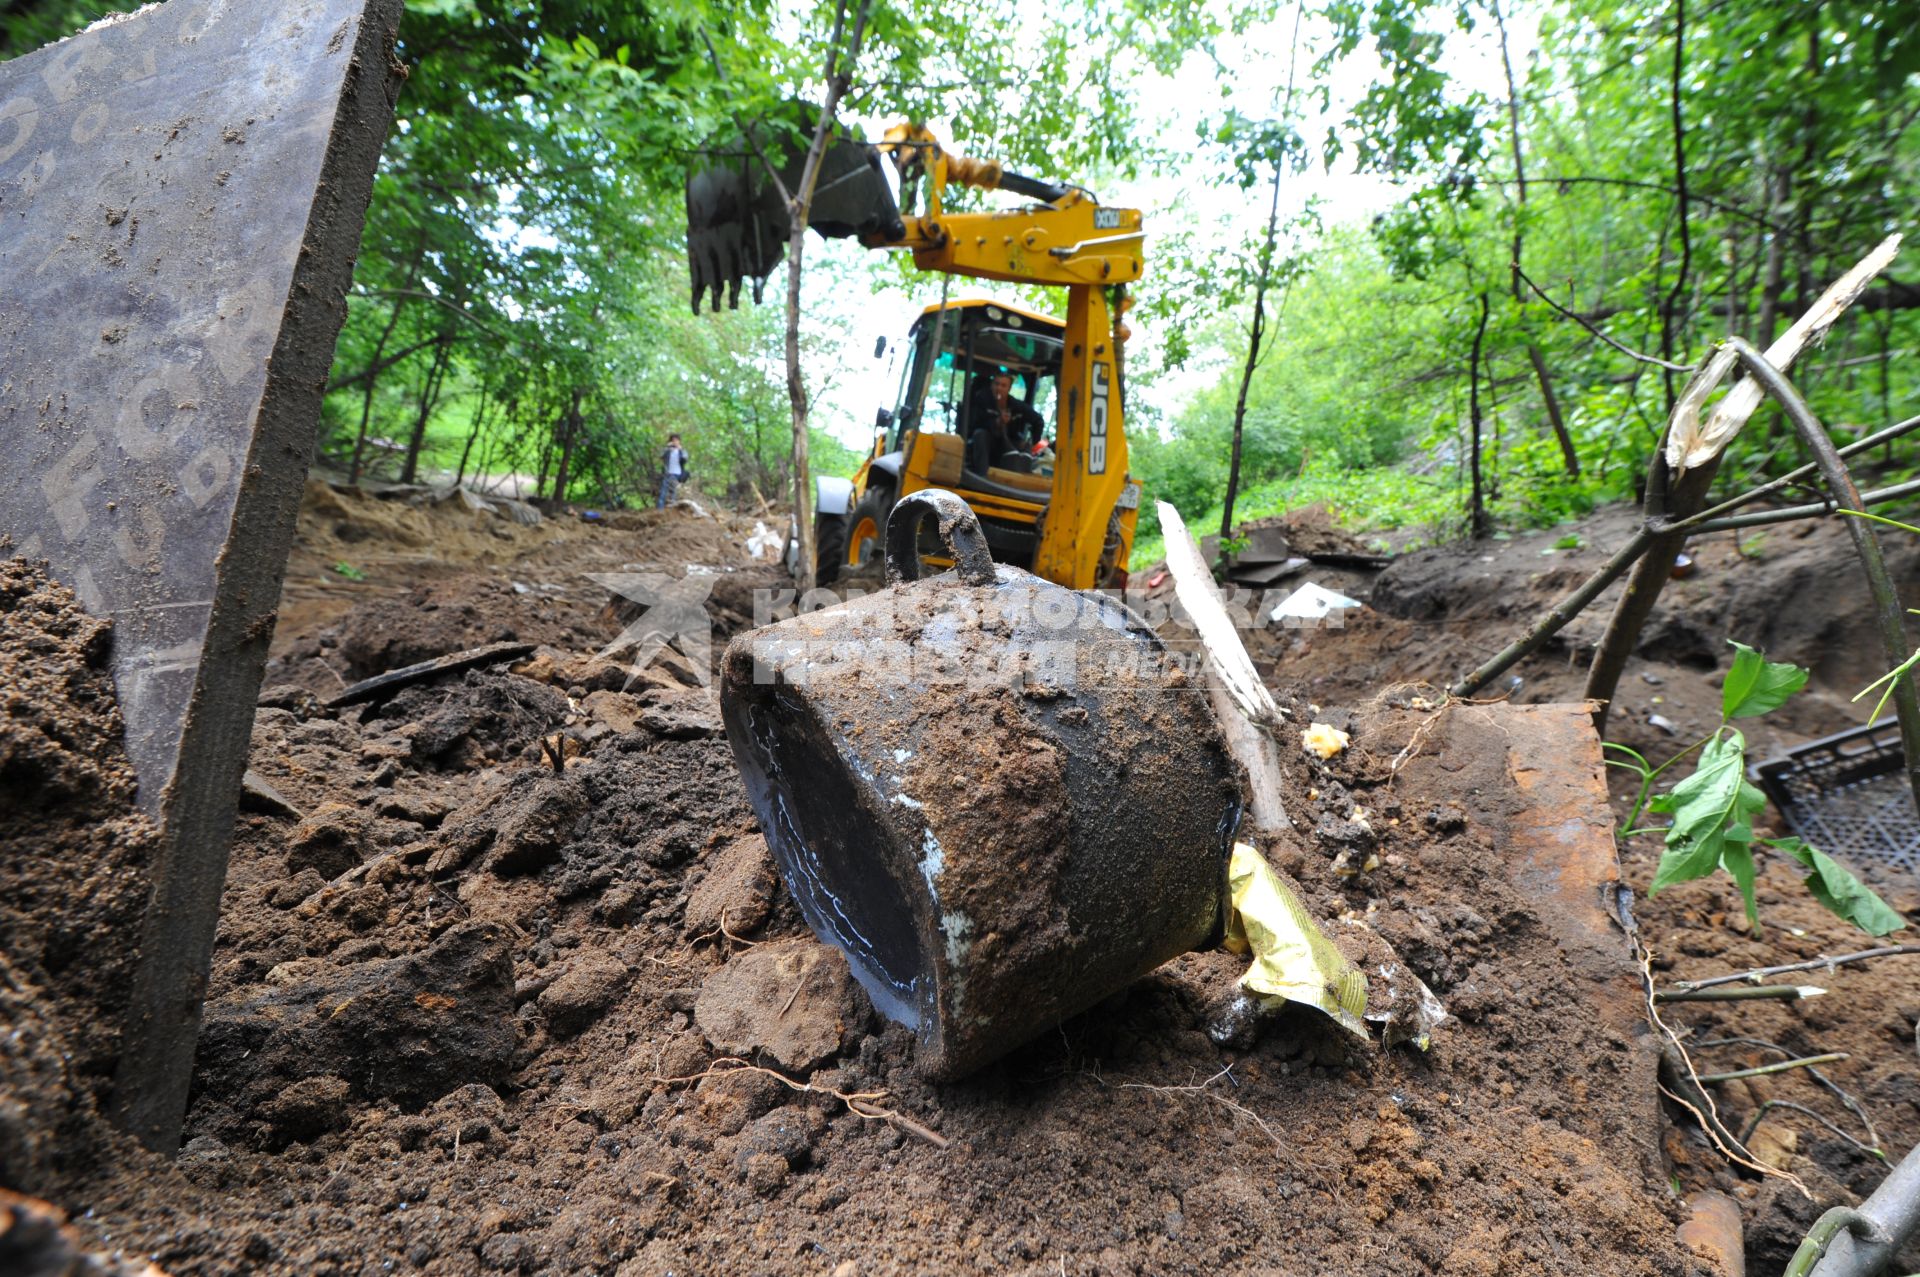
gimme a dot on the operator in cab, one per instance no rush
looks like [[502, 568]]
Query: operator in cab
[[1001, 424]]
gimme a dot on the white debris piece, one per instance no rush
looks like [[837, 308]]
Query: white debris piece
[[765, 542], [1310, 602]]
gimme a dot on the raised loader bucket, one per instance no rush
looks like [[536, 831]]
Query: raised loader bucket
[[1001, 798], [737, 222]]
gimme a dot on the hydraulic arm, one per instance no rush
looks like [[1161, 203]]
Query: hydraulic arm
[[1066, 240]]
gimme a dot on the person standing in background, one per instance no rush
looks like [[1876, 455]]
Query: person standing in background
[[673, 470]]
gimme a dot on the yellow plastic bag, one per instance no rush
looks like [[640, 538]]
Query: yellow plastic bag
[[1293, 960]]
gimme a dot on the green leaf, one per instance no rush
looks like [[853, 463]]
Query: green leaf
[[1834, 886], [1737, 860], [1711, 809], [1756, 685]]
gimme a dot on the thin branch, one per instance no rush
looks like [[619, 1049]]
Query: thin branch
[[1733, 210], [1760, 1115], [438, 300], [1762, 1070], [1886, 600], [1839, 1092], [1822, 963], [1581, 320], [1789, 514]]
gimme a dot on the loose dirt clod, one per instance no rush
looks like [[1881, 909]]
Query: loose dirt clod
[[736, 896], [793, 1002]]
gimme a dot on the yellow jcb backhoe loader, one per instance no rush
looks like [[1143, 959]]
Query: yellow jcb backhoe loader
[[1065, 512]]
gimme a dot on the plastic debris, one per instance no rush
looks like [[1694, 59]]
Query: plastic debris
[[1397, 1000], [1293, 960], [765, 542], [1310, 602], [1411, 1013], [1323, 741]]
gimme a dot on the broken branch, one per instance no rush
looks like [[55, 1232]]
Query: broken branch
[[1891, 622], [1781, 992], [1822, 963], [1693, 522], [1782, 1066]]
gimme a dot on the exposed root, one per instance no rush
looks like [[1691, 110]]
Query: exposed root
[[1710, 1119], [864, 1104], [1200, 1089]]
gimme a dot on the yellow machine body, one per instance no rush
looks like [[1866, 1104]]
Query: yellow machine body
[[1075, 525]]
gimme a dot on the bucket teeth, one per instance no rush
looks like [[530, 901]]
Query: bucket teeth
[[738, 225]]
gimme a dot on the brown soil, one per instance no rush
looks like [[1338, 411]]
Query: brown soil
[[1795, 593], [467, 1013], [73, 878]]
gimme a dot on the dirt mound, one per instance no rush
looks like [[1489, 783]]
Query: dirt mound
[[492, 1014], [473, 1015], [359, 528], [74, 856], [1796, 592]]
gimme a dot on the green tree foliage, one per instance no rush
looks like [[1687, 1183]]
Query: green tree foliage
[[1796, 154], [520, 299]]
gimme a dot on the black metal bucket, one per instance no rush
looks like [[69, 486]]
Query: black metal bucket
[[999, 797]]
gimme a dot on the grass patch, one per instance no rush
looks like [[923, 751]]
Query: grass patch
[[1378, 499]]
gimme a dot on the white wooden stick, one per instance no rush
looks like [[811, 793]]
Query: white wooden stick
[[1248, 716]]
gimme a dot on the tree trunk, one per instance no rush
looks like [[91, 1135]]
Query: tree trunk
[[799, 206], [1478, 523], [479, 419], [797, 400], [1649, 577], [1667, 311], [366, 398], [1256, 335], [570, 434], [429, 397], [366, 402], [1569, 457], [1779, 187]]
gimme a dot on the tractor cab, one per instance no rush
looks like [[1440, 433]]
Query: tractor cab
[[934, 434]]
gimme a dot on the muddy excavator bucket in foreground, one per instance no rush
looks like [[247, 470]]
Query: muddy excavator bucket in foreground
[[1000, 798], [738, 223]]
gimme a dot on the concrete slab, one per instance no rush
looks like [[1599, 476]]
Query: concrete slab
[[181, 197]]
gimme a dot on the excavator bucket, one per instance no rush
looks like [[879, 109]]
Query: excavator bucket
[[738, 222]]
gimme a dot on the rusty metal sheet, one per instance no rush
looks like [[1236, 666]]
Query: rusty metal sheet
[[181, 196], [1562, 855]]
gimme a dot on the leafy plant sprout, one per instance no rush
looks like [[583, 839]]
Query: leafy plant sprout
[[1713, 809]]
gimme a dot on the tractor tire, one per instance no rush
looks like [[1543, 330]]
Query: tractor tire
[[865, 536], [829, 547]]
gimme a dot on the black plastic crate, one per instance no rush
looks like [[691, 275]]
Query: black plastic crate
[[1848, 795]]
